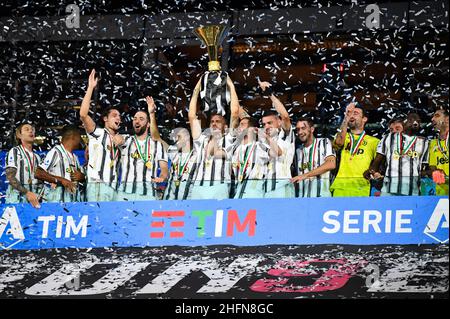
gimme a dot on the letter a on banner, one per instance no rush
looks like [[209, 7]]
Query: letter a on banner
[[437, 226], [10, 217]]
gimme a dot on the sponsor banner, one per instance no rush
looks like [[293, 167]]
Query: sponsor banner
[[217, 272], [361, 221]]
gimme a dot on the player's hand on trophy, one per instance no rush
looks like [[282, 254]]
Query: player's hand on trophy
[[150, 104], [92, 80]]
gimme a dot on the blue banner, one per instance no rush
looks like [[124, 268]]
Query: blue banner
[[359, 221]]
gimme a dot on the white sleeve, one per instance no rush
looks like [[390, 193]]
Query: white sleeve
[[382, 147], [172, 152], [328, 149], [96, 134], [198, 143], [161, 155], [425, 156], [12, 158], [51, 160]]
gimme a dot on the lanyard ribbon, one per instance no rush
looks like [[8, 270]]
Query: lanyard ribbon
[[243, 162], [70, 157], [443, 150], [182, 167], [147, 150], [28, 160], [114, 151], [354, 146], [312, 154], [402, 151]]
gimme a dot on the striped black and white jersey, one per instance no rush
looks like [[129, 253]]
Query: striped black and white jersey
[[250, 161], [182, 173], [404, 158], [60, 162], [104, 158], [25, 162], [308, 159], [288, 137], [139, 164], [213, 170], [279, 168]]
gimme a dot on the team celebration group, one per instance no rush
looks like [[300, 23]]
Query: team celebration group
[[237, 156]]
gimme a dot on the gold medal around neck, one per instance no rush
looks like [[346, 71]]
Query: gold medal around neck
[[396, 157], [177, 183], [148, 165], [30, 181], [111, 164]]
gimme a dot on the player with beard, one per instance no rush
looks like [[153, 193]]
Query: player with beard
[[280, 140], [357, 151], [439, 152], [250, 160], [315, 158], [104, 154], [141, 158], [21, 164], [214, 149], [405, 155], [183, 157]]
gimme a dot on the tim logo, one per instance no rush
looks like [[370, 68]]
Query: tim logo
[[171, 223], [437, 226]]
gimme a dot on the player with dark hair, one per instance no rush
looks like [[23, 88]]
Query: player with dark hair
[[104, 153], [214, 149], [62, 170], [357, 151], [183, 157], [280, 140], [438, 160], [141, 158], [405, 155], [250, 160], [21, 163], [396, 125], [315, 158]]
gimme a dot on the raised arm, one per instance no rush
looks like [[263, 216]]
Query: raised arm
[[234, 105], [154, 132], [285, 119], [339, 141], [88, 122], [194, 122]]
